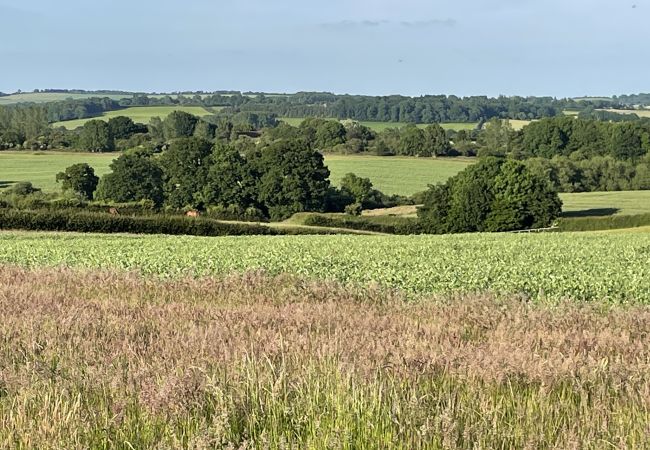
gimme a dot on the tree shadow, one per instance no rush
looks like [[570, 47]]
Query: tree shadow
[[593, 212]]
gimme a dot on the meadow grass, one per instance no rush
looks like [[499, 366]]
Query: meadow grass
[[100, 360], [638, 112], [606, 203], [41, 167], [381, 126], [541, 267], [44, 97], [401, 175], [139, 114], [396, 175]]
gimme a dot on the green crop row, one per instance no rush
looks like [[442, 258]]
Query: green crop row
[[553, 266]]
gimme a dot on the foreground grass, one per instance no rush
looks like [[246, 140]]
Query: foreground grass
[[139, 114], [99, 360], [550, 266]]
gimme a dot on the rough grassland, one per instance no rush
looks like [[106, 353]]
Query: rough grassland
[[99, 360], [551, 266], [140, 114]]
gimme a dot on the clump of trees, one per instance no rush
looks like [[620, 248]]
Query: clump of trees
[[79, 179], [492, 195]]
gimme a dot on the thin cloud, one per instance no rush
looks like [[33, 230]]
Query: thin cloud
[[433, 23], [360, 24]]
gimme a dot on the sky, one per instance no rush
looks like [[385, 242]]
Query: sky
[[562, 48]]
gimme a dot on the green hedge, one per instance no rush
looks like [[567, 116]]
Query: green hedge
[[395, 225], [604, 223], [105, 223]]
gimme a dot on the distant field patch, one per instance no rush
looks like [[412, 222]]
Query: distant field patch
[[606, 203], [638, 112], [396, 175], [44, 97], [41, 167], [381, 126], [141, 114], [392, 175]]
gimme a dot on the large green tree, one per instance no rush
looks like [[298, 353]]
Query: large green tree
[[294, 179], [80, 179], [133, 177], [96, 137], [179, 124], [492, 195], [186, 165]]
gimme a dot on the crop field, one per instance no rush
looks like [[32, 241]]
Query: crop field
[[140, 114], [549, 266]]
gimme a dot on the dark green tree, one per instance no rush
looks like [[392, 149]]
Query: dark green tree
[[80, 179], [493, 195], [133, 177], [186, 165], [436, 142], [294, 179], [231, 180], [96, 137], [179, 124], [362, 191], [122, 127]]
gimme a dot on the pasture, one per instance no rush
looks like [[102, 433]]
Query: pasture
[[139, 114], [45, 97], [381, 126], [554, 266], [606, 203], [392, 175], [41, 167], [638, 112]]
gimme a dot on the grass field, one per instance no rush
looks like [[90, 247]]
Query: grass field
[[43, 97], [381, 126], [41, 167], [389, 174], [258, 362], [396, 175], [638, 112], [554, 266], [140, 114], [606, 203]]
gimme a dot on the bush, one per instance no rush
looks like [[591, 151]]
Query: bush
[[236, 212], [603, 223], [388, 225]]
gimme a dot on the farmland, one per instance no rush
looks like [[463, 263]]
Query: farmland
[[389, 174], [381, 126], [141, 114], [606, 203], [43, 97], [638, 112], [550, 266]]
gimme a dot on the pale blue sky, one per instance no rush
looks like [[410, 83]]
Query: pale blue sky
[[411, 47]]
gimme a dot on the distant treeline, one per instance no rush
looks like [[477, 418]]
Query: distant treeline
[[395, 108], [633, 99]]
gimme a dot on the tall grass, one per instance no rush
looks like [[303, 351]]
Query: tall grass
[[100, 360]]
